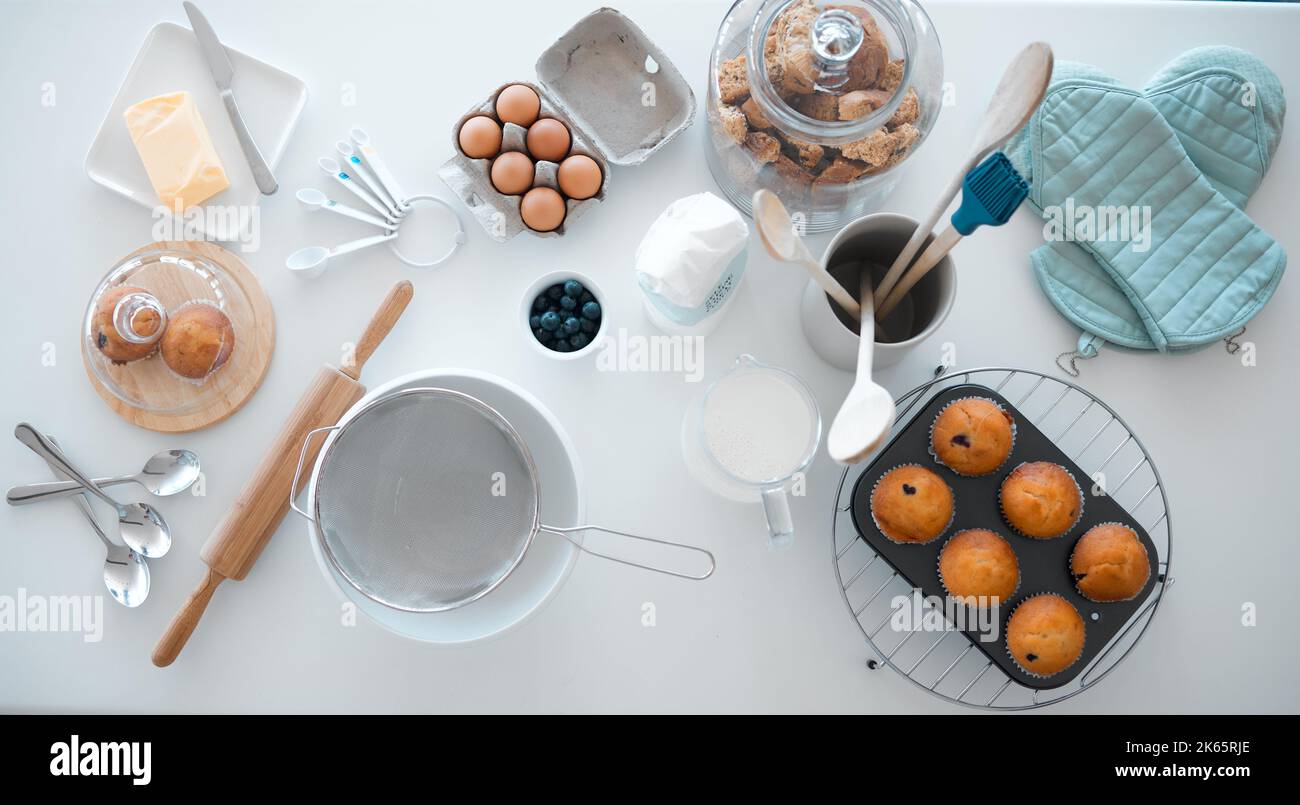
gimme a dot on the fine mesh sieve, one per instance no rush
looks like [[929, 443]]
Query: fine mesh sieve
[[427, 499]]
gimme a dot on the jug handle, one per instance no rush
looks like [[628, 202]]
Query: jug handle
[[780, 525]]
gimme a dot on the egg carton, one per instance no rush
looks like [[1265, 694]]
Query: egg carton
[[595, 79]]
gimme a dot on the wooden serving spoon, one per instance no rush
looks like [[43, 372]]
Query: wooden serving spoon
[[1018, 94]]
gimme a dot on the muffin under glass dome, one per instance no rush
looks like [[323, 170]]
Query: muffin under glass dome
[[176, 278]]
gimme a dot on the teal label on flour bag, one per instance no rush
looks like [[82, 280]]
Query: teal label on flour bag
[[689, 316]]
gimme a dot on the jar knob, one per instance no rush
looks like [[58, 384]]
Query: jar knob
[[836, 37], [139, 318]]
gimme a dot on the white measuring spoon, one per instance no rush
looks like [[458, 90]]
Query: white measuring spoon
[[332, 167], [310, 261], [352, 163], [362, 142], [314, 199]]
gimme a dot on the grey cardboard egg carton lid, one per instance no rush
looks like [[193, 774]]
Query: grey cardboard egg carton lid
[[615, 90]]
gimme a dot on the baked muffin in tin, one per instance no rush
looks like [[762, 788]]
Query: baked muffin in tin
[[1045, 634], [912, 504], [1040, 499], [972, 436], [1110, 563]]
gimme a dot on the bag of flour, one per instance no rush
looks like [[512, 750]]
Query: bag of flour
[[690, 263]]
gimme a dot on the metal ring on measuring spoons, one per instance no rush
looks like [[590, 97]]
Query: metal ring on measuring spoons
[[458, 240]]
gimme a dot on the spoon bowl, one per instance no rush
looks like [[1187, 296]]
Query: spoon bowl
[[126, 574], [169, 472], [142, 527]]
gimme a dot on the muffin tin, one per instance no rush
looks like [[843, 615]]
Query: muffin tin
[[594, 80], [1044, 563]]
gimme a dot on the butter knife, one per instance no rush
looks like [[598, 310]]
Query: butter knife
[[222, 73]]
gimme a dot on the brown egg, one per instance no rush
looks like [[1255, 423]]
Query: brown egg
[[542, 209], [548, 139], [512, 173], [519, 105], [579, 177], [480, 137]]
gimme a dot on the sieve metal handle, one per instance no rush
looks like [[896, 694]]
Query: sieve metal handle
[[297, 472], [565, 532]]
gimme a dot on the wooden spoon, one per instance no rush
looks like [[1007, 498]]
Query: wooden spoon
[[1018, 94]]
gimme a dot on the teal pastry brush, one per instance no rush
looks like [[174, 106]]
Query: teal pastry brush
[[990, 193]]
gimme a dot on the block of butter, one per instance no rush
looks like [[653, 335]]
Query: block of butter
[[176, 149]]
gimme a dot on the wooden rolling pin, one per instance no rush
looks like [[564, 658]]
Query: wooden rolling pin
[[239, 538]]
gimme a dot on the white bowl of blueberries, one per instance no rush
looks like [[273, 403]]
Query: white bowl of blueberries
[[563, 316]]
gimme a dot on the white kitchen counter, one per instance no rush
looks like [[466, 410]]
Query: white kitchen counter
[[769, 632]]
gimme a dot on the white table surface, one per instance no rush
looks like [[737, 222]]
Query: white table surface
[[769, 632]]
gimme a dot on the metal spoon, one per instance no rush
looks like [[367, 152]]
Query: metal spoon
[[167, 473], [126, 574], [141, 526]]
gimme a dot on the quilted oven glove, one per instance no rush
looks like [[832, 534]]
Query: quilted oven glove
[[1191, 148]]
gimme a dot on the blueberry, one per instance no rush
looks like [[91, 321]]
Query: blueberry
[[568, 302], [561, 345], [554, 309], [555, 292], [579, 341], [588, 326], [542, 335], [573, 289], [591, 310], [550, 321], [539, 304], [586, 297], [572, 325], [535, 321]]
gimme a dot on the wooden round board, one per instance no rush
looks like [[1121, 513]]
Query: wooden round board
[[226, 390]]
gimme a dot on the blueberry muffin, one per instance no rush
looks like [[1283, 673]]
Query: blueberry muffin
[[1045, 634], [116, 348], [198, 341], [979, 563], [911, 504], [1110, 563], [1041, 500], [972, 436]]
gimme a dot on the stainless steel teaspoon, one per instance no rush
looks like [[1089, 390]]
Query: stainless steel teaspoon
[[166, 473], [141, 526]]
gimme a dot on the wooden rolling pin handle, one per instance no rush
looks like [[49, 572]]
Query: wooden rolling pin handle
[[186, 618], [385, 317]]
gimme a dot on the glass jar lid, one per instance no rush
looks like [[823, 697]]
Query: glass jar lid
[[805, 57]]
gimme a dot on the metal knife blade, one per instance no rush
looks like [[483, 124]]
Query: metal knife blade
[[213, 51], [223, 73]]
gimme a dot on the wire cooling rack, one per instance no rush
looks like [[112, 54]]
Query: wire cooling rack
[[945, 663]]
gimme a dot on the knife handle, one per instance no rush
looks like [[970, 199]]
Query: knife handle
[[261, 171]]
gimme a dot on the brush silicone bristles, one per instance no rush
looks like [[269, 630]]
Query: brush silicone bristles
[[990, 193]]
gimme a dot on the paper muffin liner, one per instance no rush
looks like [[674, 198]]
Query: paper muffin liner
[[1070, 567], [872, 505], [1006, 637], [930, 436], [194, 381], [1078, 518], [939, 558]]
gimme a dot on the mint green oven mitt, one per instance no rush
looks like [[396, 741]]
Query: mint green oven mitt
[[1167, 260]]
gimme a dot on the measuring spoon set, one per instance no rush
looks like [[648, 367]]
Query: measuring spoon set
[[361, 171]]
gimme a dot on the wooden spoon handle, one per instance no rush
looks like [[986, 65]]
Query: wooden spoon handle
[[923, 230], [385, 317], [939, 247], [186, 618]]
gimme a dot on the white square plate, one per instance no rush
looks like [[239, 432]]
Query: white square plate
[[170, 60]]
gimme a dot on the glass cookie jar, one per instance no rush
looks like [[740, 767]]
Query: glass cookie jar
[[820, 102]]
